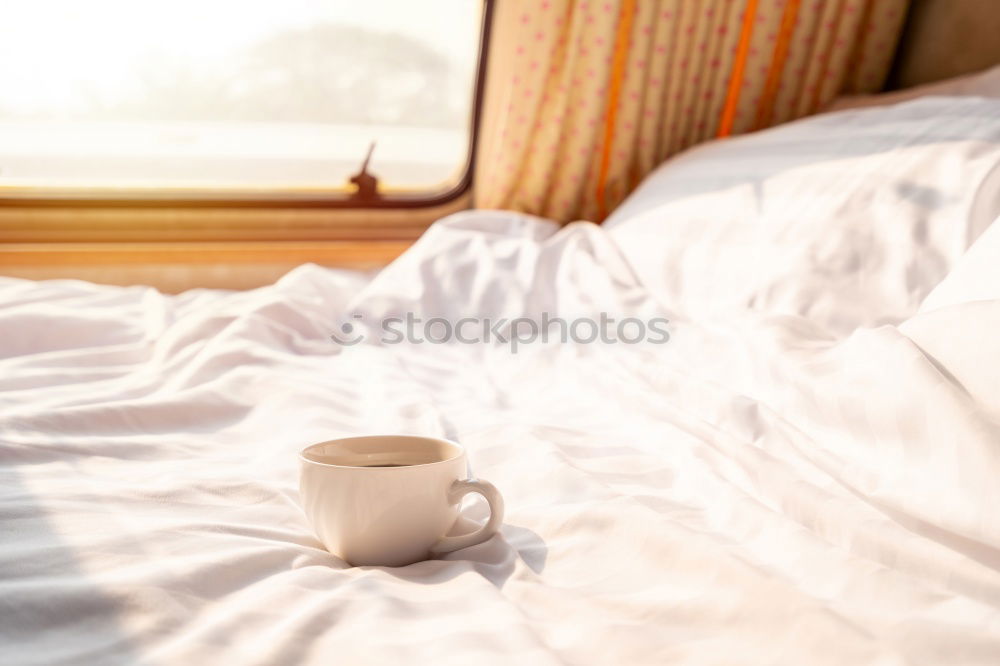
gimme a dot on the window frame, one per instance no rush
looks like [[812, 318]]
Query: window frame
[[166, 216]]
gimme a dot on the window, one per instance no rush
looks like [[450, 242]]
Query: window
[[236, 99]]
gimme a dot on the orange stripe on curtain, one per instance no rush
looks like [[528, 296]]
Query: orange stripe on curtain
[[739, 65], [620, 58], [777, 66]]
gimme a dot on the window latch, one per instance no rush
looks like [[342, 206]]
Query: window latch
[[366, 183]]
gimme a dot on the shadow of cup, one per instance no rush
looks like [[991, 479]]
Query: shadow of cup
[[495, 559]]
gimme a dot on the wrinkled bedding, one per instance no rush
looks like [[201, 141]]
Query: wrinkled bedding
[[799, 475]]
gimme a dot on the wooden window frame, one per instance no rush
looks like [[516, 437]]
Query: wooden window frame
[[64, 228]]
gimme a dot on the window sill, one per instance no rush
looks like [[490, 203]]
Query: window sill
[[175, 249]]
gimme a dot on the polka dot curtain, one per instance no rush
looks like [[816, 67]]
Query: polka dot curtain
[[584, 97]]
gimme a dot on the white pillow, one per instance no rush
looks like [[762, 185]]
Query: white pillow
[[980, 84], [848, 219]]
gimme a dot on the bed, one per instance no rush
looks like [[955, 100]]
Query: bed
[[804, 473]]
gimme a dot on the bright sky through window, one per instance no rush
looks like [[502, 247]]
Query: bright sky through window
[[235, 93]]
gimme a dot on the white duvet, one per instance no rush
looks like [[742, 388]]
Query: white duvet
[[806, 473]]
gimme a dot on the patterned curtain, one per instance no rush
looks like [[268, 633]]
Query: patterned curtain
[[584, 97]]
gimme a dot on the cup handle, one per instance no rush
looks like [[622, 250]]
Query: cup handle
[[460, 489]]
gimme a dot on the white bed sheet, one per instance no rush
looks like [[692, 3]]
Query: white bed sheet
[[756, 491]]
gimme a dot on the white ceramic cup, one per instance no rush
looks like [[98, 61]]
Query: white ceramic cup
[[389, 500]]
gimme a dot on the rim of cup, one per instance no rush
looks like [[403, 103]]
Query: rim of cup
[[457, 449]]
